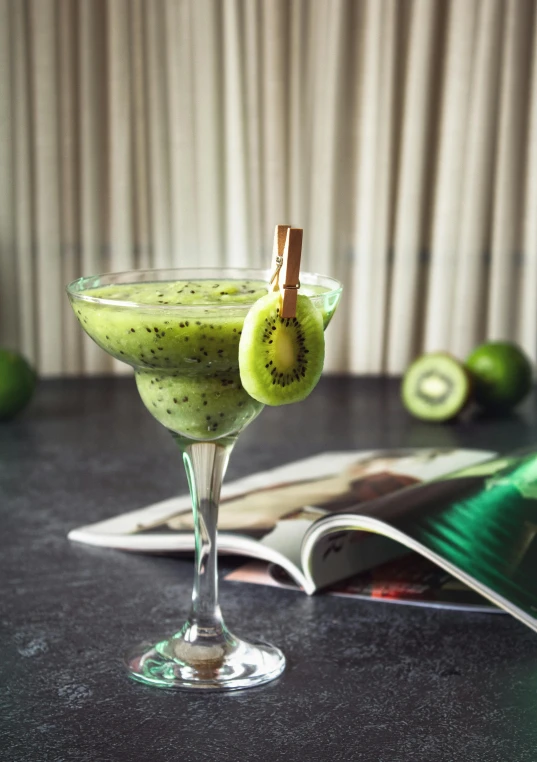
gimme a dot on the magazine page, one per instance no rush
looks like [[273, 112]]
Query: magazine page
[[249, 517], [410, 580], [288, 510], [479, 524], [247, 509], [267, 515]]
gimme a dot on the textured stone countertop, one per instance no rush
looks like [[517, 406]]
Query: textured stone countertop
[[365, 681]]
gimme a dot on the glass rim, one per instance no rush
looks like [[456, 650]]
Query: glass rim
[[76, 288]]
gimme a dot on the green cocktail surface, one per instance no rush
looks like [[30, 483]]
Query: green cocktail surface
[[185, 357]]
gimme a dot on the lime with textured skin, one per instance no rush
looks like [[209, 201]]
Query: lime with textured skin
[[436, 387], [17, 383], [502, 375]]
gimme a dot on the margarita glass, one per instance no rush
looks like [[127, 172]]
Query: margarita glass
[[180, 331]]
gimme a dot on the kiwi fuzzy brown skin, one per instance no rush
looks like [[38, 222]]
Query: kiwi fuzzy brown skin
[[444, 360]]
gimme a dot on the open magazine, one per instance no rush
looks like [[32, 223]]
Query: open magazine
[[267, 515], [347, 521]]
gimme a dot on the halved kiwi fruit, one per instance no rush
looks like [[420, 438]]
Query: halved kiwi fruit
[[281, 359], [436, 387]]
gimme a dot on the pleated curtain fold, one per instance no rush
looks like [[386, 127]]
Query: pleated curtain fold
[[400, 134]]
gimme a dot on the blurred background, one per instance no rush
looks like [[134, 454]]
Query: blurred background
[[400, 134]]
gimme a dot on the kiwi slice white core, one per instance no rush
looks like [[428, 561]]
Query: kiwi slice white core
[[435, 388], [281, 359], [285, 351]]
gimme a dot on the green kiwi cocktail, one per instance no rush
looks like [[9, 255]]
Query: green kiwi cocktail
[[181, 332], [185, 353], [186, 362]]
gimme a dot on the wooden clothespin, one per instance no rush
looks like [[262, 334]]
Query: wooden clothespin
[[280, 235], [286, 267]]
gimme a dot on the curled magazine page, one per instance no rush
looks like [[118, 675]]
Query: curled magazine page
[[479, 524]]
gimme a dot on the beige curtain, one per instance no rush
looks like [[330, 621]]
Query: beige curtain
[[400, 134]]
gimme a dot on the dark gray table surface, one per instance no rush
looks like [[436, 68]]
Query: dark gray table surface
[[365, 680]]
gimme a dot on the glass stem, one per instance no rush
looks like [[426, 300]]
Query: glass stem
[[205, 464]]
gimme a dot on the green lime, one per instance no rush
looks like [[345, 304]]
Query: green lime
[[502, 374], [17, 383]]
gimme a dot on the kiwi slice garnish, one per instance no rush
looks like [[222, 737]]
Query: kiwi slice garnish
[[281, 359], [436, 387]]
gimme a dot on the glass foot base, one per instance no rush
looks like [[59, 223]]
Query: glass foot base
[[225, 666]]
